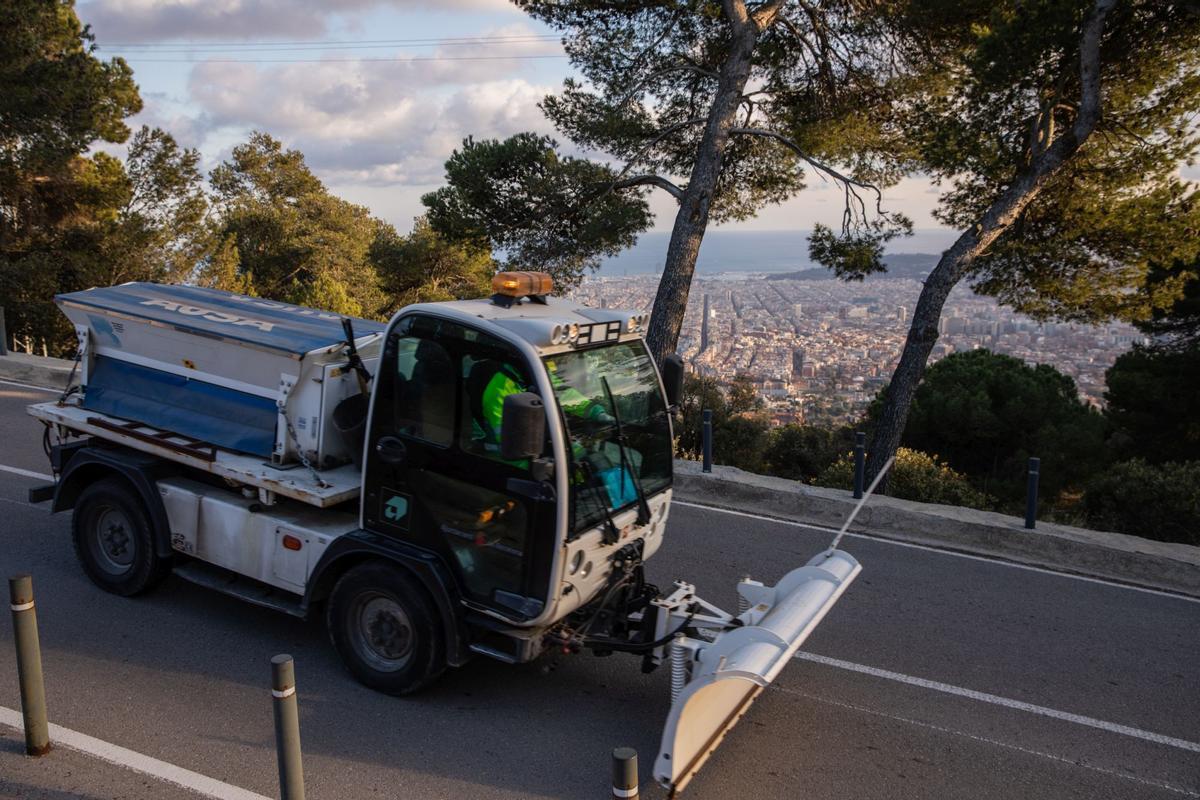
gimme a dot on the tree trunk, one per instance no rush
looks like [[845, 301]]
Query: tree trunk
[[956, 262], [670, 303]]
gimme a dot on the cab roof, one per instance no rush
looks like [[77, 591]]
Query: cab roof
[[531, 320]]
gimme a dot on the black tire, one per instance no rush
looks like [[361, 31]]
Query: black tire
[[114, 539], [386, 629]]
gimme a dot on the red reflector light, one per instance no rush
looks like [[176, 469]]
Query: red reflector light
[[291, 542]]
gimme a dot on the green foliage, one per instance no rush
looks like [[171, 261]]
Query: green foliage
[[986, 414], [802, 452], [740, 431], [1004, 85], [64, 219], [1153, 403], [853, 255], [143, 219], [543, 211], [1154, 501], [1179, 323], [220, 270], [425, 267], [655, 78], [914, 476], [300, 243], [58, 98], [652, 71]]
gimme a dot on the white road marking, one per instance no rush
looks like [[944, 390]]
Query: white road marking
[[24, 504], [123, 757], [31, 386], [998, 561], [26, 473], [1006, 702], [995, 742]]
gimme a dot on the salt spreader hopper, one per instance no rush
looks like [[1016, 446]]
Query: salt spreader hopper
[[474, 478]]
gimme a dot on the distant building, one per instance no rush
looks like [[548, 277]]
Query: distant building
[[704, 324], [901, 314]]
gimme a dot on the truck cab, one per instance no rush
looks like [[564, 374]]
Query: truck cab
[[435, 473], [529, 536]]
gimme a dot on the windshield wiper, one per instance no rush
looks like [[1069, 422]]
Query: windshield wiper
[[643, 517], [611, 534]]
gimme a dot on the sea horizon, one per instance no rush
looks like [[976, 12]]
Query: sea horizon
[[752, 251]]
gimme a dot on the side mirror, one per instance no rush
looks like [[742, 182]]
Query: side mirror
[[672, 378], [522, 427]]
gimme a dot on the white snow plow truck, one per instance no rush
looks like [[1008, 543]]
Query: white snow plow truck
[[481, 477]]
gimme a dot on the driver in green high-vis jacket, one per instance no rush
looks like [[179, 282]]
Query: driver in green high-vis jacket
[[505, 381]]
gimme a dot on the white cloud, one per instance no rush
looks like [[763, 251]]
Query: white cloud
[[154, 20], [389, 122]]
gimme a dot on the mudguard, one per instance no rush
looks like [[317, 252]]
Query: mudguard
[[728, 673]]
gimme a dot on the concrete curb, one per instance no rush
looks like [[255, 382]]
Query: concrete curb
[[50, 373], [1113, 556]]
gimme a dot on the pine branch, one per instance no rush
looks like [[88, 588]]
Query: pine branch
[[650, 180], [850, 185]]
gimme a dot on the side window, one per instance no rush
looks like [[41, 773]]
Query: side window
[[424, 393], [489, 374]]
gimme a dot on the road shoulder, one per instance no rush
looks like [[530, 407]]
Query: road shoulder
[[68, 774]]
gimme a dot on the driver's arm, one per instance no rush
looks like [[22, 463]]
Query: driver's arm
[[573, 401]]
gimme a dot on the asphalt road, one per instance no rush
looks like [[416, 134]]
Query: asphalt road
[[1090, 690]]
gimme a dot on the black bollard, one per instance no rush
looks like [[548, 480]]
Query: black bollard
[[29, 665], [1031, 493], [287, 728], [707, 440], [624, 773], [860, 464]]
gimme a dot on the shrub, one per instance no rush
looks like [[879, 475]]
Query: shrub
[[914, 476], [984, 414], [802, 452], [740, 431], [1156, 501]]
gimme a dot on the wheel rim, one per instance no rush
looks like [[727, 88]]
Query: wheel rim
[[112, 541], [383, 632]]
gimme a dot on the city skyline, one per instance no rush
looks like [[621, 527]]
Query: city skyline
[[818, 350]]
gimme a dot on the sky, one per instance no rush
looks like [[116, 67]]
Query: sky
[[375, 93]]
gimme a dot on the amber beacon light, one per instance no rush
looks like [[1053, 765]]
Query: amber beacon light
[[515, 285]]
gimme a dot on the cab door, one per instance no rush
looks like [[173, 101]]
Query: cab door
[[434, 476]]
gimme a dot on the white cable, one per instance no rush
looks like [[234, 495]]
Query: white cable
[[862, 501]]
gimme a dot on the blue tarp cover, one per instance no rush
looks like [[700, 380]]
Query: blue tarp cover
[[212, 312], [214, 414]]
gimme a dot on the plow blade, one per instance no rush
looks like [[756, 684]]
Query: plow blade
[[728, 673]]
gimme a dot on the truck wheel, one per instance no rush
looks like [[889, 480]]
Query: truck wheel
[[386, 629], [114, 539]]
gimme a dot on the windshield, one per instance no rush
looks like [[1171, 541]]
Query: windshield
[[600, 478]]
